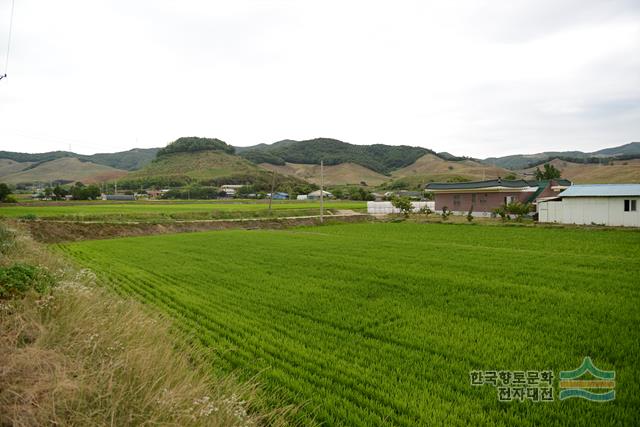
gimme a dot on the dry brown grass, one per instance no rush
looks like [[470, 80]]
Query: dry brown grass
[[84, 356]]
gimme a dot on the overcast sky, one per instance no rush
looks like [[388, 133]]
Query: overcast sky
[[478, 78]]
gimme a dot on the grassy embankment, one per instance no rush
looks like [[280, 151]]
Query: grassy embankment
[[378, 323], [72, 353]]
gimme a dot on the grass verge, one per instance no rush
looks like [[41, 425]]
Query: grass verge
[[76, 354]]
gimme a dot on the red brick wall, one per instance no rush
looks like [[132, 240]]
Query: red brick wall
[[484, 202]]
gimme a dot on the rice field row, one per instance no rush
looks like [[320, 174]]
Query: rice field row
[[155, 210], [370, 324]]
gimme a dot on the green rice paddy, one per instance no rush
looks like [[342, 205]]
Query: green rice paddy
[[171, 210], [381, 323]]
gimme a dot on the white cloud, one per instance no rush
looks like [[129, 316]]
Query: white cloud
[[473, 78]]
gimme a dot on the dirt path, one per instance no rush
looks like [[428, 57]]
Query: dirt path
[[65, 231]]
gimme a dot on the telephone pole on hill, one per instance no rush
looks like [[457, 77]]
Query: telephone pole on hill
[[273, 184], [321, 191]]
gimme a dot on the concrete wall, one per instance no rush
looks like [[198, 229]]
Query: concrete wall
[[589, 210], [387, 207]]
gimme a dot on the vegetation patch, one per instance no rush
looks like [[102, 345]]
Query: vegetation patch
[[18, 279]]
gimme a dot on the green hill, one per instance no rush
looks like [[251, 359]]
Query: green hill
[[127, 160], [203, 161], [523, 161], [64, 170], [378, 157]]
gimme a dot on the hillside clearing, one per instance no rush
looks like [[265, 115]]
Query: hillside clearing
[[342, 174], [69, 169], [619, 171], [381, 323]]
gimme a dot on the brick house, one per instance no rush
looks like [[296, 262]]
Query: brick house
[[485, 196]]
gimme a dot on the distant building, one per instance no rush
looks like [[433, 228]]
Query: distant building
[[231, 189], [596, 204], [120, 197], [279, 196], [302, 197], [315, 195], [482, 197]]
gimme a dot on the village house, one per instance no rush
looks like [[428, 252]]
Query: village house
[[231, 189], [595, 204], [482, 197], [315, 195]]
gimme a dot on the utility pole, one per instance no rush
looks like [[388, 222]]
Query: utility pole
[[321, 191], [273, 185]]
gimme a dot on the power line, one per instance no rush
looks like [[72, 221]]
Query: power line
[[6, 62]]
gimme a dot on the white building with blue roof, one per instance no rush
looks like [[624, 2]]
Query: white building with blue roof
[[594, 204]]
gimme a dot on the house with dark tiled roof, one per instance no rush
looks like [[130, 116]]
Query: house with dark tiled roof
[[482, 197]]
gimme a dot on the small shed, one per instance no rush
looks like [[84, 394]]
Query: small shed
[[120, 197], [594, 204], [315, 195]]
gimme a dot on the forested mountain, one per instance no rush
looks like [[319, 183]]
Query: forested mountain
[[523, 161], [127, 160], [378, 157]]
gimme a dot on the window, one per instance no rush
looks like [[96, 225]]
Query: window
[[630, 205], [508, 199], [473, 198], [456, 200], [483, 198]]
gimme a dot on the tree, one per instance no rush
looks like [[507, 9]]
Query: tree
[[404, 204], [4, 191], [59, 193], [550, 172], [470, 214], [82, 192], [511, 176]]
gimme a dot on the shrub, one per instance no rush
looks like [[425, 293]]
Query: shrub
[[445, 213], [404, 204], [470, 214], [20, 278], [10, 199], [28, 217], [4, 191], [425, 211], [501, 212], [7, 239]]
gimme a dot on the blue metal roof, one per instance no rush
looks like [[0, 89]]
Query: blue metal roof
[[602, 190]]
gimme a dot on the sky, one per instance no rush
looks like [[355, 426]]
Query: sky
[[475, 78]]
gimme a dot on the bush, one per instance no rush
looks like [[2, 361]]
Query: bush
[[402, 203], [425, 211], [20, 278], [4, 192], [445, 213], [10, 199], [470, 214], [7, 239], [501, 212]]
